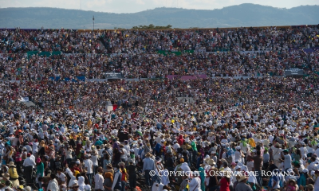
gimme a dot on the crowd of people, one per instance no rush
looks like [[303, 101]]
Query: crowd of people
[[72, 141], [213, 134], [220, 52]]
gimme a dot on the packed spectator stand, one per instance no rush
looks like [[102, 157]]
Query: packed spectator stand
[[103, 109]]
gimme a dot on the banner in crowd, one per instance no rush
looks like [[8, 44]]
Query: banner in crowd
[[185, 78], [113, 76], [24, 99], [77, 78], [178, 53], [185, 99], [294, 72], [47, 54]]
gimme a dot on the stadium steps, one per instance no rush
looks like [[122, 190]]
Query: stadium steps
[[103, 42], [102, 46]]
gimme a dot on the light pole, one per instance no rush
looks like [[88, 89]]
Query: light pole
[[93, 23]]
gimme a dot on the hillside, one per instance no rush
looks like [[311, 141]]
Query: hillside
[[233, 16]]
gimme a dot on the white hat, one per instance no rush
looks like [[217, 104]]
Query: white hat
[[87, 188], [305, 170], [27, 188]]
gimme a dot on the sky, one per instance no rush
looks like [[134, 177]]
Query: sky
[[133, 6]]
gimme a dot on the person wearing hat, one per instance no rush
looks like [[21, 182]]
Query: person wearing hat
[[14, 177], [108, 177], [225, 181], [241, 185], [27, 188], [5, 179], [75, 187]]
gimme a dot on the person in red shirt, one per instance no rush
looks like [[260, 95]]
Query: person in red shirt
[[76, 167], [180, 140], [225, 181]]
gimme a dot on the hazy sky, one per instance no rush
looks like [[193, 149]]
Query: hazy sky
[[131, 6]]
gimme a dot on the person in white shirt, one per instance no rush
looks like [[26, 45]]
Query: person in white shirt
[[176, 146], [317, 150], [313, 165], [29, 161], [61, 176], [127, 146], [53, 184], [35, 147], [88, 165], [303, 150], [99, 179], [94, 159]]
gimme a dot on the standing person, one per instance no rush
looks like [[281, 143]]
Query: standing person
[[202, 177], [148, 165], [94, 159], [68, 155], [241, 185], [116, 156], [40, 170], [266, 159], [28, 165], [14, 177], [18, 160], [213, 184], [124, 175], [106, 161], [225, 182], [117, 184], [195, 183], [131, 169], [61, 177], [287, 159], [108, 177], [53, 184], [88, 165], [258, 162], [99, 180]]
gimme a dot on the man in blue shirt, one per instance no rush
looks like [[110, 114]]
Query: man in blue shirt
[[148, 166]]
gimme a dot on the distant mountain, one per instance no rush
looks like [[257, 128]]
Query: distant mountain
[[234, 16]]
